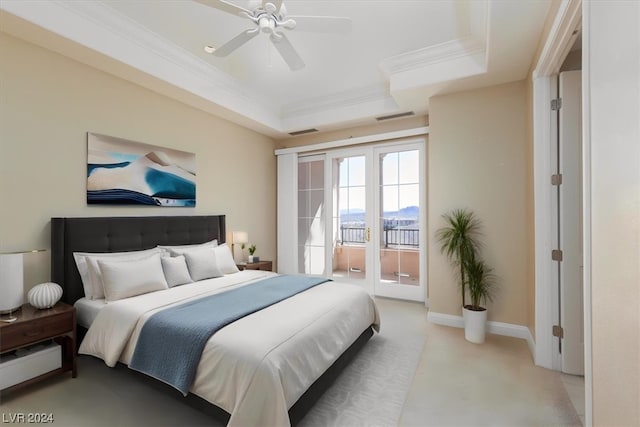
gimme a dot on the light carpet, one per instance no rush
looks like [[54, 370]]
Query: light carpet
[[371, 391]]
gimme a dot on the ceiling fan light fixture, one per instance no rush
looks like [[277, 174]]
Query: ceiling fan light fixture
[[270, 7], [289, 24], [267, 24]]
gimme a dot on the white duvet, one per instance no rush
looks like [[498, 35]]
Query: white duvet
[[257, 367]]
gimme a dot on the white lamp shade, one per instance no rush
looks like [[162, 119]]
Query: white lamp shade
[[11, 282], [240, 237]]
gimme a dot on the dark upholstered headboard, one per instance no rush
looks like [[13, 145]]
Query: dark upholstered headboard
[[118, 234]]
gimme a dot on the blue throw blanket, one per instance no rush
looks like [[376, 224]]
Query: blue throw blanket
[[171, 341]]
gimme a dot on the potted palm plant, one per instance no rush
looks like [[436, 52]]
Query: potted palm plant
[[459, 242], [481, 285]]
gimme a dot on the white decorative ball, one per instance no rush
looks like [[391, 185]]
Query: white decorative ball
[[44, 295]]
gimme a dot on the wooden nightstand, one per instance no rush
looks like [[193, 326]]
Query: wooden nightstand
[[33, 326], [260, 265]]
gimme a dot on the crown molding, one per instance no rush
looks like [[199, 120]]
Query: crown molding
[[425, 57]]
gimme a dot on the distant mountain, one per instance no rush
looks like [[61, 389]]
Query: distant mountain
[[409, 212], [357, 215]]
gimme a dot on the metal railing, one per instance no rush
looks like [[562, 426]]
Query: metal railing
[[391, 236]]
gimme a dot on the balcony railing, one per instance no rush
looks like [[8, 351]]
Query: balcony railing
[[403, 237]]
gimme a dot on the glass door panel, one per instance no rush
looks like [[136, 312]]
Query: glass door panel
[[351, 236], [400, 201], [311, 214]]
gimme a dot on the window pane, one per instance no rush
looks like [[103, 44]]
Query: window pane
[[409, 196], [316, 174], [316, 203], [303, 176], [390, 201], [316, 254], [302, 260], [343, 201], [356, 170], [409, 167], [388, 265], [304, 231], [316, 232], [356, 200], [409, 267], [303, 204], [343, 172], [389, 168]]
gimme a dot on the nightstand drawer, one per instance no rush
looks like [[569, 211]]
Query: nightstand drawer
[[24, 333], [260, 265]]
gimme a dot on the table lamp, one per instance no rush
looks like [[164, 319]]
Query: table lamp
[[11, 283]]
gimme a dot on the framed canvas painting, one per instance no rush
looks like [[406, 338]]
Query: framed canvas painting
[[125, 172]]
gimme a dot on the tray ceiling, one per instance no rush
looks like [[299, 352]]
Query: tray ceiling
[[398, 54]]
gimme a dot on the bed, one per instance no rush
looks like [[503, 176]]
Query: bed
[[267, 368]]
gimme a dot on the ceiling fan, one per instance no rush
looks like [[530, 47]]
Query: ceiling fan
[[270, 17]]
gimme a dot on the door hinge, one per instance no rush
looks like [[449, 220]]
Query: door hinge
[[556, 255], [556, 179], [558, 331], [556, 104]]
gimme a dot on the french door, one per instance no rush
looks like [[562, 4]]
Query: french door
[[366, 222], [400, 221]]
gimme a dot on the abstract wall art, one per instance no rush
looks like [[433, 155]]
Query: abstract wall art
[[123, 172]]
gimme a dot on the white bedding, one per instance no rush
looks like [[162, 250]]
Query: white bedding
[[257, 367], [87, 310]]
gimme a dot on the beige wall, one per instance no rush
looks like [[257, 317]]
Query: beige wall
[[48, 103], [613, 135], [479, 158]]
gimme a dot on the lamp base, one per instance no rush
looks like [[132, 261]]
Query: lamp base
[[10, 310]]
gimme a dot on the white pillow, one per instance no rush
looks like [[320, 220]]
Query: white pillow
[[202, 264], [93, 289], [224, 259], [180, 249], [175, 270], [128, 278]]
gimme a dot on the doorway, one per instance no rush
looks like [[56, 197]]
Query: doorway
[[361, 217], [564, 35]]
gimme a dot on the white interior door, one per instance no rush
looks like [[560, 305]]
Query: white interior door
[[570, 223]]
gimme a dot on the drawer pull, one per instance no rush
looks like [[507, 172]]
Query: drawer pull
[[32, 333]]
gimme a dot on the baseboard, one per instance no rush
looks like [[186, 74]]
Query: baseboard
[[497, 328], [532, 344]]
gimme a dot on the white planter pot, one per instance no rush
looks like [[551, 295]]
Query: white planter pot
[[250, 259], [475, 325]]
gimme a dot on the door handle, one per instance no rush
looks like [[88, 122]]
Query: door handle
[[368, 235]]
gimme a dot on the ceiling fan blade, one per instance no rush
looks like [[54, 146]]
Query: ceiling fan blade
[[286, 50], [225, 7], [322, 24], [236, 42]]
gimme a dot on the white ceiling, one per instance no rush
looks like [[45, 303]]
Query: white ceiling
[[398, 54]]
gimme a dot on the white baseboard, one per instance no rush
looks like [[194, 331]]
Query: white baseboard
[[497, 328]]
